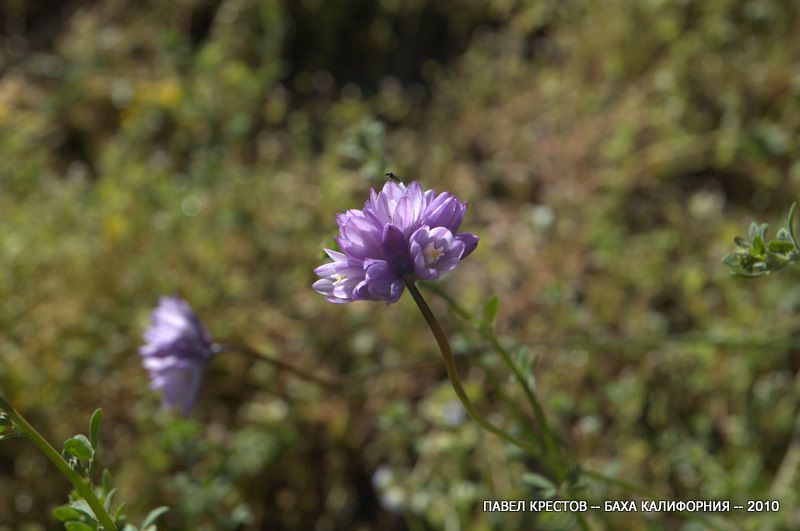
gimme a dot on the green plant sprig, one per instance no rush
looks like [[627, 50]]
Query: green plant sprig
[[757, 256], [89, 506]]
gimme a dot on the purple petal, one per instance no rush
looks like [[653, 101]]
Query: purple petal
[[339, 278], [470, 242], [435, 252], [176, 350], [445, 211], [395, 250], [382, 282], [384, 243]]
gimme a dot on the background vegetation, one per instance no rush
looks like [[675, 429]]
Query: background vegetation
[[610, 151]]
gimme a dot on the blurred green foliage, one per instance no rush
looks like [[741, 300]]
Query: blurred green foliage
[[610, 152], [757, 255]]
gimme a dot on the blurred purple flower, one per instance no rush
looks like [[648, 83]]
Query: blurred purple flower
[[177, 347], [402, 233]]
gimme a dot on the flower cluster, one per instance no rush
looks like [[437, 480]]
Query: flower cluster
[[402, 233], [177, 347]]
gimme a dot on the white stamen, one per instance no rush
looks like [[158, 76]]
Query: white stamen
[[431, 254]]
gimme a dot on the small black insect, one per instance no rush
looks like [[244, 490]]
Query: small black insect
[[394, 178]]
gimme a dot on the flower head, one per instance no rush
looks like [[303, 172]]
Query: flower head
[[177, 347], [402, 233]]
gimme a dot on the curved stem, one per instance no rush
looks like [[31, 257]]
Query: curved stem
[[342, 381], [549, 445], [82, 487], [281, 365], [452, 372], [488, 334]]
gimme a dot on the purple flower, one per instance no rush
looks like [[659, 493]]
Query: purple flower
[[401, 234], [177, 347]]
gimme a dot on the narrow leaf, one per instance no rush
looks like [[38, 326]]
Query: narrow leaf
[[153, 516], [745, 274], [94, 427], [107, 500], [790, 222], [121, 514], [491, 308], [106, 480]]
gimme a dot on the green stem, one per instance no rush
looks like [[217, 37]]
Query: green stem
[[633, 343], [488, 334], [342, 381], [84, 489], [550, 446], [278, 364], [452, 372], [538, 412]]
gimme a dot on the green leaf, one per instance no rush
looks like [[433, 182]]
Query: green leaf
[[129, 527], [78, 526], [12, 435], [153, 516], [94, 427], [121, 513], [742, 242], [65, 514], [790, 221], [780, 246], [545, 487], [526, 362], [758, 246], [491, 308], [82, 506], [107, 500], [80, 447], [730, 260], [105, 480], [752, 231], [746, 274]]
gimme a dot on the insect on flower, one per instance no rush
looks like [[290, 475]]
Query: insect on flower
[[393, 177]]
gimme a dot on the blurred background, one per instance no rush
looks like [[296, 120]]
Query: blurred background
[[610, 152]]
